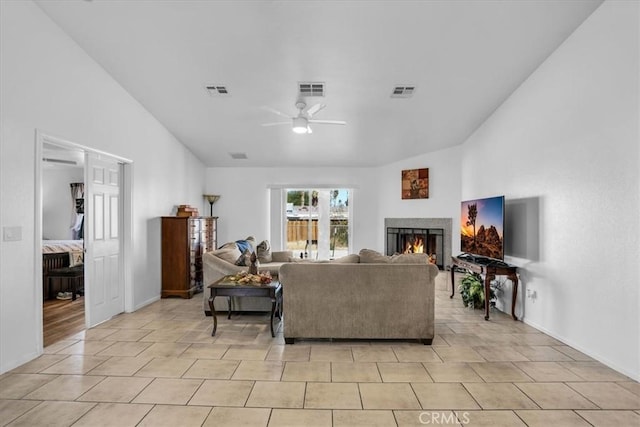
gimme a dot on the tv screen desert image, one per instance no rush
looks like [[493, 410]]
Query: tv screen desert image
[[481, 227]]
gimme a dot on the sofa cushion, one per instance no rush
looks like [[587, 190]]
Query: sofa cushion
[[283, 256], [263, 251], [348, 259], [369, 256], [273, 268], [228, 252], [410, 259]]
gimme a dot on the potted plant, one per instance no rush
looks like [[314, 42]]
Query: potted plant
[[472, 291]]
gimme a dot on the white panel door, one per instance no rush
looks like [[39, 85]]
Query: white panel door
[[104, 278]]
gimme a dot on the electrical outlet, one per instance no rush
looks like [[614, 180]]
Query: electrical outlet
[[11, 234]]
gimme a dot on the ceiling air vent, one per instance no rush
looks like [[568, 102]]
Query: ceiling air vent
[[311, 89], [215, 90], [61, 161], [403, 91], [238, 156]]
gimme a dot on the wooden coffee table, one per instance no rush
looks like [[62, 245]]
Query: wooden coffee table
[[225, 287]]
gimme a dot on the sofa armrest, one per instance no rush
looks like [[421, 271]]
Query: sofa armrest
[[214, 268]]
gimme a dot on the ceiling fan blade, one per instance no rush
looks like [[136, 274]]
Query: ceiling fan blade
[[314, 109], [279, 113], [276, 124], [329, 122]]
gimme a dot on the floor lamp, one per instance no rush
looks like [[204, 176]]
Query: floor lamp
[[211, 198]]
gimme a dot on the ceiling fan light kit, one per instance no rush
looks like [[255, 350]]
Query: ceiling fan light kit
[[300, 123]]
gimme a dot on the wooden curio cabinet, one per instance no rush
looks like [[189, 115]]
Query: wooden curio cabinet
[[184, 240]]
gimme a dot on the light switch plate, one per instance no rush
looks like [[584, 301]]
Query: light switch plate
[[11, 234]]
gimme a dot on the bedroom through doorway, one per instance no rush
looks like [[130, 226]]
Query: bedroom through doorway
[[63, 311]]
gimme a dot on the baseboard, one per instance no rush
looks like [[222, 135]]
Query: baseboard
[[633, 375], [145, 303], [19, 362]]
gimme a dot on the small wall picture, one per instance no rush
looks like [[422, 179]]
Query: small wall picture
[[415, 184]]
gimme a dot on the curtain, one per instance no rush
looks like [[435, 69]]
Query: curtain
[[77, 210]]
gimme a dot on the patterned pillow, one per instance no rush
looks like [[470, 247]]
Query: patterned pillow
[[244, 260], [264, 252], [76, 258]]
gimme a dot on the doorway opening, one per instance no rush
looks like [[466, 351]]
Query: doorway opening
[[70, 293], [62, 195]]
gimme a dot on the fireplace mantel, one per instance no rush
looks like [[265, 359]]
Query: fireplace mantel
[[425, 223]]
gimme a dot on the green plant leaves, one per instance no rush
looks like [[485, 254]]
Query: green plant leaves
[[472, 291]]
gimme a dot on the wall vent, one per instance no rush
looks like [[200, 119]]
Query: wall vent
[[403, 91], [238, 156], [217, 90], [61, 161], [310, 89]]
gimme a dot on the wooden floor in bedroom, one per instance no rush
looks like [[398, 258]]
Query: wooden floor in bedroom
[[62, 319]]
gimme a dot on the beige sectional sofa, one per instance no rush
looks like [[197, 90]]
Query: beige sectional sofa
[[364, 296], [392, 298]]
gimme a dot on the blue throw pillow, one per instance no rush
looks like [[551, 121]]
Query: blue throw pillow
[[244, 245]]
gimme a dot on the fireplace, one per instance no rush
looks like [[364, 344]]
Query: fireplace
[[420, 235], [417, 240]]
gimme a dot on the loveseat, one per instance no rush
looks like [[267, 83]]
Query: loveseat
[[377, 298]]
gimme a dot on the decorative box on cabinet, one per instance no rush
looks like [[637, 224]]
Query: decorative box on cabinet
[[184, 240]]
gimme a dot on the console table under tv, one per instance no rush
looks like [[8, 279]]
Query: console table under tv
[[489, 269]]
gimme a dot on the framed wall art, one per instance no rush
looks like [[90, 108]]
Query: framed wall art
[[415, 184]]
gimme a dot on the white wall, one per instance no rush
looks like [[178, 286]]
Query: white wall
[[243, 208], [567, 142], [56, 201], [49, 83], [444, 191]]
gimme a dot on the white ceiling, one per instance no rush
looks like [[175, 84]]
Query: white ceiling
[[464, 57]]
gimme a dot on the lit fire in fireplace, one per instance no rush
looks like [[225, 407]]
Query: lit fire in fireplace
[[415, 247]]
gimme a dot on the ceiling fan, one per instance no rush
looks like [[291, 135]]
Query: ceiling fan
[[300, 123]]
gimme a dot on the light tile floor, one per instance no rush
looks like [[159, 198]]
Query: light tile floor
[[160, 366]]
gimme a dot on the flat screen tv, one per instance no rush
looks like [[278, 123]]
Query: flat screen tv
[[481, 227]]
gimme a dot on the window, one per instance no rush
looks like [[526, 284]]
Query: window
[[317, 222]]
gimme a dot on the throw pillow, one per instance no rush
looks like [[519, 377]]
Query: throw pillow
[[228, 252], [244, 260], [369, 256], [347, 259], [76, 258], [243, 245], [252, 242], [410, 259], [264, 252]]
